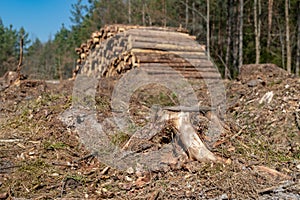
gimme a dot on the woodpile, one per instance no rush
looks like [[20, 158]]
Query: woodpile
[[160, 53], [116, 49]]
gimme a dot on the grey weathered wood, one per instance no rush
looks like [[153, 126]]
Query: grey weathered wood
[[188, 109]]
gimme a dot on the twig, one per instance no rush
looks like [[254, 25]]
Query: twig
[[53, 186], [63, 188], [10, 140], [86, 157], [196, 11], [9, 167], [105, 170], [173, 101], [238, 133], [272, 171], [222, 61], [64, 164]]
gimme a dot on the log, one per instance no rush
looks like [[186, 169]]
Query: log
[[161, 40], [186, 75], [159, 33], [199, 53], [165, 47], [175, 58], [178, 65]]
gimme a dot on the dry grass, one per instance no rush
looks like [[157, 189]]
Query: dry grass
[[47, 161]]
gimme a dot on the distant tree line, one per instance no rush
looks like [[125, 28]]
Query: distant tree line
[[235, 32]]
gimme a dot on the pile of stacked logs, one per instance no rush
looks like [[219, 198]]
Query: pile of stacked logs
[[160, 53], [97, 38], [116, 49]]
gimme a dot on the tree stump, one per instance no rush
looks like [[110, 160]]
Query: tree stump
[[185, 138]]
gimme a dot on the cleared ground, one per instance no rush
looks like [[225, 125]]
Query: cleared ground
[[41, 159]]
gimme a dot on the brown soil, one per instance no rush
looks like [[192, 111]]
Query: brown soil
[[40, 158]]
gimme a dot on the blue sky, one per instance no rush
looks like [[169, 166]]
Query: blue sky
[[40, 18]]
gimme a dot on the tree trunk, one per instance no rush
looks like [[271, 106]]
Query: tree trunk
[[257, 23], [207, 30], [282, 48], [229, 29], [287, 32], [220, 36], [235, 39], [21, 58], [298, 43], [212, 28], [194, 17], [143, 14], [241, 34], [186, 13], [129, 11], [165, 13], [60, 70], [270, 14]]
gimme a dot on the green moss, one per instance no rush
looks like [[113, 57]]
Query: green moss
[[53, 146], [275, 82], [282, 158], [76, 177], [108, 187], [102, 103], [30, 114], [119, 138], [35, 167]]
